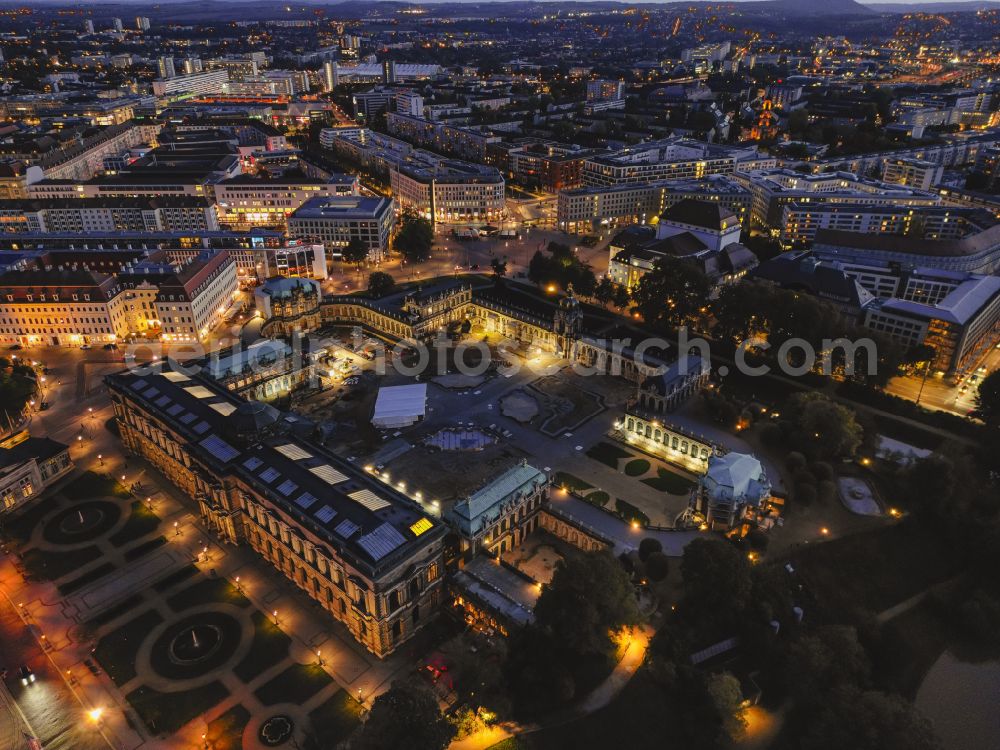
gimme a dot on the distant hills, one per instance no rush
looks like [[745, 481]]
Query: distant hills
[[958, 7]]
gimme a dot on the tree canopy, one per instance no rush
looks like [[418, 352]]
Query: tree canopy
[[356, 251], [822, 428], [672, 293], [589, 596], [380, 284], [988, 400], [406, 715], [415, 237]]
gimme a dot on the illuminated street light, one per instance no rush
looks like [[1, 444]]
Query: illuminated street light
[[95, 714]]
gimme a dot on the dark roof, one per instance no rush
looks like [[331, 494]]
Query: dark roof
[[975, 244], [683, 245], [803, 272], [708, 214], [40, 448], [369, 523]]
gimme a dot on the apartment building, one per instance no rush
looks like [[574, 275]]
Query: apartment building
[[448, 191], [62, 307], [589, 209], [245, 202], [170, 214], [212, 81], [801, 221], [670, 159], [772, 189], [190, 298], [915, 173]]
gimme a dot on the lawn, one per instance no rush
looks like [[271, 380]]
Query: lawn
[[334, 720], [570, 482], [873, 570], [141, 521], [297, 684], [599, 498], [226, 732], [270, 646], [910, 644], [666, 481], [116, 651], [90, 484], [637, 467], [168, 712], [74, 584], [144, 549], [630, 513], [20, 527], [182, 574], [208, 591], [114, 612], [608, 454], [50, 566]]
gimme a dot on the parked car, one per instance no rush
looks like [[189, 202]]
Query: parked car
[[85, 346]]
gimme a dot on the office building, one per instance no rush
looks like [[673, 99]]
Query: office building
[[335, 221]]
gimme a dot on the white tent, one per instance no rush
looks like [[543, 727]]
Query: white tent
[[400, 405]]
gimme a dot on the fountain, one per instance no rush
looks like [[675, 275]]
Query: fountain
[[203, 642], [276, 730]]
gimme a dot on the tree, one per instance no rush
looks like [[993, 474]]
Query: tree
[[727, 699], [988, 400], [657, 566], [822, 428], [406, 715], [622, 297], [716, 584], [415, 237], [648, 546], [605, 291], [380, 284], [867, 720], [356, 251], [741, 311], [829, 658], [589, 597], [671, 293], [499, 270]]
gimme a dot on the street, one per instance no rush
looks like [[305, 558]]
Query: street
[[46, 709], [942, 395]]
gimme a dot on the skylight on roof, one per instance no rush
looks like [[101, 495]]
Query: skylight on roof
[[418, 528], [219, 448], [382, 541], [224, 408], [345, 528], [252, 463], [292, 451], [199, 391], [369, 499], [287, 487], [325, 514], [328, 474], [269, 474], [306, 500], [175, 377]]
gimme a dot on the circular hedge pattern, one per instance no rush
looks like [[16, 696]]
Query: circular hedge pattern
[[174, 657], [276, 731], [637, 467], [99, 517]]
